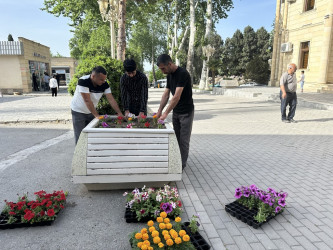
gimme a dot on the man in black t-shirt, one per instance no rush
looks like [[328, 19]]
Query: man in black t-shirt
[[179, 84], [88, 92]]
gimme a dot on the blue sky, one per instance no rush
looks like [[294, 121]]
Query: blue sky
[[25, 19]]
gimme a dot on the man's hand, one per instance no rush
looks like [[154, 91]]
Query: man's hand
[[164, 116], [126, 113], [284, 95], [158, 114]]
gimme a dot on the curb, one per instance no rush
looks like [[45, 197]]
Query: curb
[[65, 121]]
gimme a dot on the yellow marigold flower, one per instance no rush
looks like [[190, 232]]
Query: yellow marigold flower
[[150, 248], [146, 242], [166, 220], [186, 237], [151, 229], [159, 219], [145, 236], [178, 240], [174, 235], [162, 225], [160, 245], [178, 219], [155, 233], [101, 117], [144, 247], [167, 236], [163, 214], [140, 244], [144, 230], [169, 242], [165, 232], [138, 236], [172, 231], [154, 116], [156, 240], [169, 226], [150, 223], [182, 233]]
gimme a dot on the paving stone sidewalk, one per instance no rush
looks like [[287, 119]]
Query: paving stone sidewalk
[[241, 141]]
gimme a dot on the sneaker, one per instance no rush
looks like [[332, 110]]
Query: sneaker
[[292, 120], [285, 121]]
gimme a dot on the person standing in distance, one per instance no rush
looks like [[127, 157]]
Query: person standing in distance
[[179, 84], [53, 85], [288, 86], [88, 92], [134, 89], [301, 80]]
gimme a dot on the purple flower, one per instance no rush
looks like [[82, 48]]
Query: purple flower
[[246, 193], [283, 195], [106, 116], [282, 202], [238, 194], [142, 211], [105, 125], [160, 122], [129, 125], [277, 209], [167, 207]]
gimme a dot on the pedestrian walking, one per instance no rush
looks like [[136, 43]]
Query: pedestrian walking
[[58, 80], [179, 84], [301, 80], [34, 82], [288, 86], [53, 85], [134, 89], [88, 92], [46, 80]]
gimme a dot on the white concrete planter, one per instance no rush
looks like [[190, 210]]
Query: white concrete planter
[[117, 158]]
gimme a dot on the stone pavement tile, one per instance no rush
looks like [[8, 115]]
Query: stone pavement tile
[[187, 201], [281, 244], [193, 196], [182, 193], [217, 244], [210, 230], [248, 235], [241, 242], [288, 238], [190, 211], [232, 247], [268, 244], [257, 246], [275, 225], [190, 188], [225, 217], [327, 230], [291, 229], [198, 206], [232, 228], [313, 219], [308, 234], [315, 212], [271, 233], [204, 217], [295, 212], [217, 222], [210, 210], [217, 205], [297, 248], [225, 237], [223, 199], [205, 200], [322, 246], [313, 228], [292, 220], [305, 242], [325, 237]]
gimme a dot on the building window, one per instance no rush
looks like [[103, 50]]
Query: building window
[[309, 4], [304, 55]]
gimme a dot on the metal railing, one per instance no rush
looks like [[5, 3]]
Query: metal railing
[[11, 48]]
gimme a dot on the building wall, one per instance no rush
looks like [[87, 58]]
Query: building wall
[[330, 65], [66, 62], [10, 72]]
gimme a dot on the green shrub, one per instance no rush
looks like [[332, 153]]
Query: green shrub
[[114, 70], [257, 70]]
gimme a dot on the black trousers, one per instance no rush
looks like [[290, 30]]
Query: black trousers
[[54, 91]]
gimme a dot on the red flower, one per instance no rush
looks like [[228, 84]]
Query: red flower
[[147, 124], [161, 205], [29, 215], [62, 207], [143, 116], [42, 213], [179, 203], [49, 204], [12, 213], [142, 211], [44, 201], [120, 118], [50, 212], [33, 206], [26, 210]]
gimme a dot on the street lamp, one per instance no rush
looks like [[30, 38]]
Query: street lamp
[[208, 51], [109, 12]]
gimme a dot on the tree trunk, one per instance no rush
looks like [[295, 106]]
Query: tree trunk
[[181, 45], [193, 30], [121, 49], [207, 36], [153, 58]]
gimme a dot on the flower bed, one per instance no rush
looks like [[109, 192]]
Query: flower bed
[[255, 206], [197, 240], [39, 212], [148, 203]]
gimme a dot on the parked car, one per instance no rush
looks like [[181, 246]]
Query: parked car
[[250, 84], [160, 83]]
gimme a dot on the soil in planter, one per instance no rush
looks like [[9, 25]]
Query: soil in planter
[[197, 240], [130, 217], [18, 224], [114, 123], [244, 214]]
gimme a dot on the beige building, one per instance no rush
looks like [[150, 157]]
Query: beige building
[[65, 67], [304, 36], [18, 60]]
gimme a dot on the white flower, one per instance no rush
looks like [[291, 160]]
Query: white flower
[[124, 194], [173, 204], [158, 198]]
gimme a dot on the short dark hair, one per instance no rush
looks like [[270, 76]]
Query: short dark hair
[[164, 58], [129, 65], [302, 71], [99, 70]]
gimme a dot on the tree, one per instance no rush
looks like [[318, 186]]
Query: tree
[[158, 75], [234, 50], [10, 38], [249, 47], [56, 55], [121, 43], [257, 70], [264, 44]]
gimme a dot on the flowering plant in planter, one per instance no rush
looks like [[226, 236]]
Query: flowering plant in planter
[[161, 235], [132, 121], [44, 208], [267, 203], [150, 202]]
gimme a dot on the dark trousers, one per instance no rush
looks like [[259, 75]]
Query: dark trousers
[[182, 124], [291, 100], [80, 121], [54, 91]]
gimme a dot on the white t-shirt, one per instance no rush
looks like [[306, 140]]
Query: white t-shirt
[[85, 85], [53, 83]]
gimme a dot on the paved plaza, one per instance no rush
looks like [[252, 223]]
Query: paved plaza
[[235, 141]]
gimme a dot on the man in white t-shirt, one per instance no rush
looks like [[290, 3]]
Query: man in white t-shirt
[[89, 91]]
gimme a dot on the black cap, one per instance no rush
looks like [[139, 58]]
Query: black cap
[[129, 65]]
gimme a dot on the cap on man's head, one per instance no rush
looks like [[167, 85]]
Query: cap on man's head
[[129, 65]]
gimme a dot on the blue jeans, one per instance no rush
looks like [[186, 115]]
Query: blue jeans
[[291, 100]]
